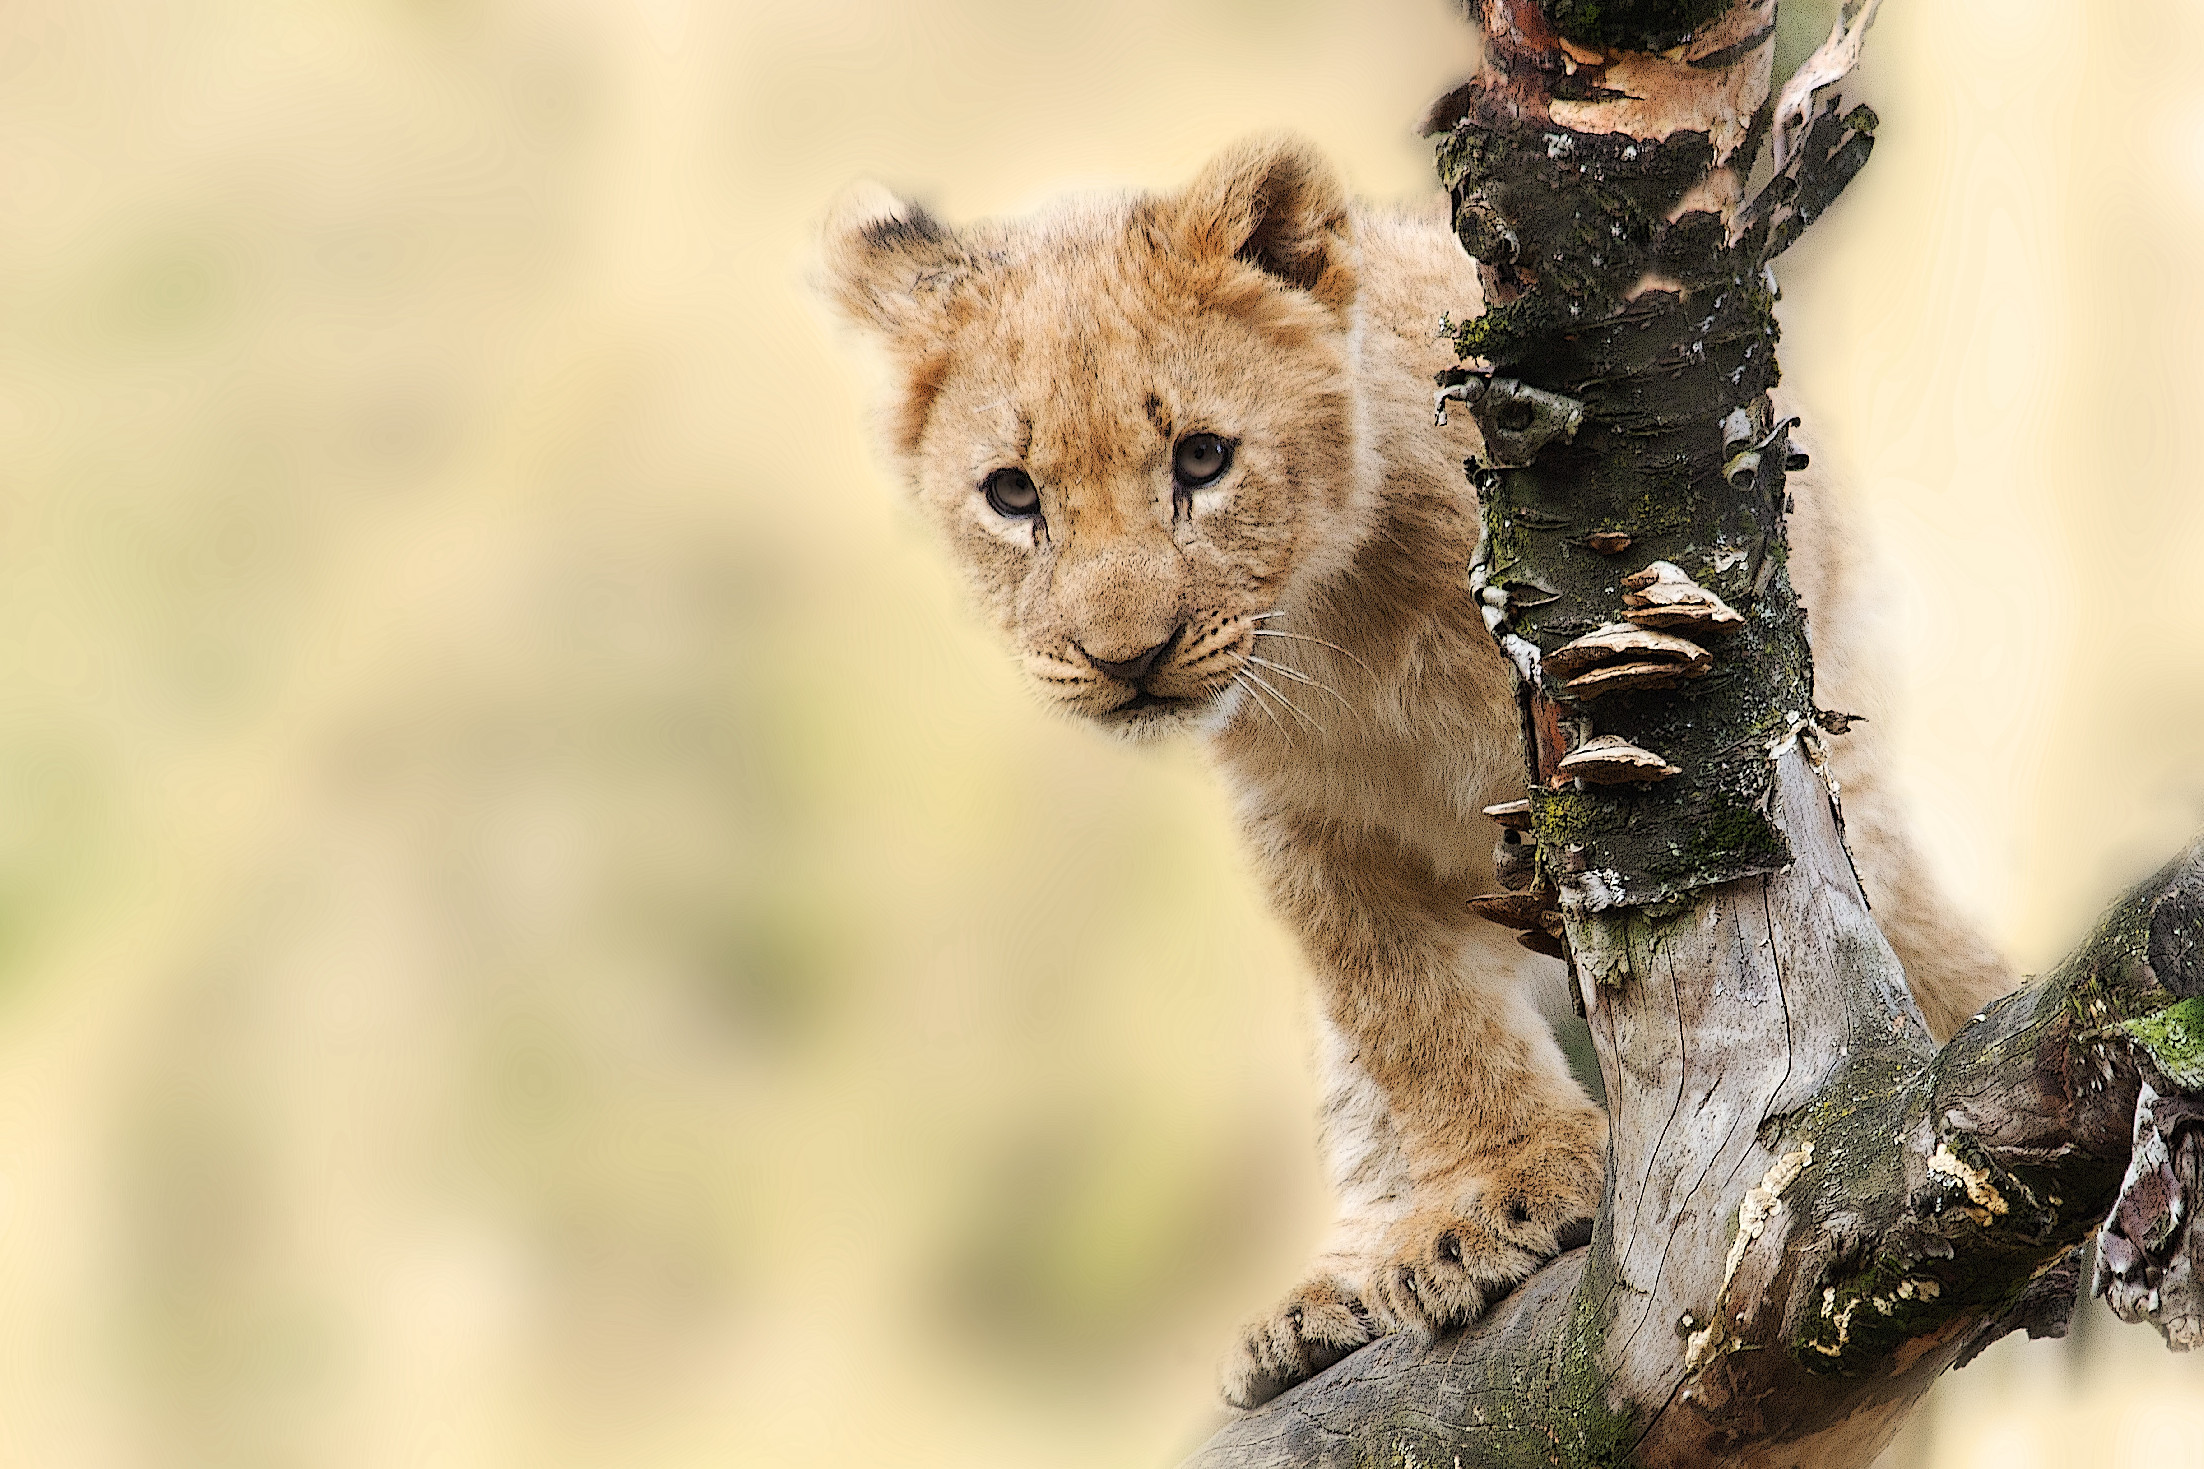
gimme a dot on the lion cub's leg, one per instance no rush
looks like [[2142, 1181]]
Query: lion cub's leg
[[1462, 1151]]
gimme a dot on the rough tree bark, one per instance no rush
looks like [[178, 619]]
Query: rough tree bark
[[1811, 1211]]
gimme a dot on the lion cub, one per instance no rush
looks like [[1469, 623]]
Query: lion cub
[[1182, 447]]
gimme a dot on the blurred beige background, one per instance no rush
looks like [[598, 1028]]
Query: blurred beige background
[[533, 931]]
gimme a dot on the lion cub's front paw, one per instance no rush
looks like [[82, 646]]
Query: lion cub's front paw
[[1450, 1261], [1319, 1322], [1449, 1267]]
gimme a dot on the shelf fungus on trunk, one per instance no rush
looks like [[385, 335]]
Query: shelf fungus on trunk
[[1617, 656], [1535, 915], [1512, 815], [1619, 373], [1663, 596], [1608, 760]]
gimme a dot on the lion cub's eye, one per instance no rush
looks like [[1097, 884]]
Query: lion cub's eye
[[1011, 492], [1200, 458]]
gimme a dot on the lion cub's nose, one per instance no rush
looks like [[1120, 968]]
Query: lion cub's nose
[[1141, 664]]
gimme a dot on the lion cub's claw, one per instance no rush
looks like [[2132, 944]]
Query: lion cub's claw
[[1457, 1268], [1449, 1264], [1319, 1322]]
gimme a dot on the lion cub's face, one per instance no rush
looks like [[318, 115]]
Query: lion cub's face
[[1134, 422]]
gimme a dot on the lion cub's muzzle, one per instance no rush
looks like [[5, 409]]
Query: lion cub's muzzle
[[1146, 689], [1135, 670]]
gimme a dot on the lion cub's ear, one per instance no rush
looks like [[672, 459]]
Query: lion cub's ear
[[888, 264], [1275, 204]]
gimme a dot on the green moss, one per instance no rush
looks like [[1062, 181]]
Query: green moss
[[1597, 1435], [1759, 299], [1504, 334], [1668, 504], [2174, 1037], [1730, 834], [1540, 1404], [1564, 818], [1945, 1254], [2108, 980], [1507, 543]]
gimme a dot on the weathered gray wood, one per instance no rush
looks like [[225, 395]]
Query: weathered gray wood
[[1730, 1017]]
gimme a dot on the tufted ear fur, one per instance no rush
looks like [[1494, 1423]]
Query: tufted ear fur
[[1273, 203], [888, 264]]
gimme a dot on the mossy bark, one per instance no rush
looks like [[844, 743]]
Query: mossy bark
[[1632, 25], [1624, 286]]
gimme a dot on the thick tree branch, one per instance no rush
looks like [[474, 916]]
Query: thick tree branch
[[1941, 1206]]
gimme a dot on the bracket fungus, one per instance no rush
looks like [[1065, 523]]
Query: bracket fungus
[[1607, 760], [1534, 915], [1514, 815], [1663, 596], [1532, 909], [1539, 941], [1619, 656]]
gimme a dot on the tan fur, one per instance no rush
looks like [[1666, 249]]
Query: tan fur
[[1314, 609]]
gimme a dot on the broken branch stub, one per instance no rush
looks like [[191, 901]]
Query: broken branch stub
[[2147, 1248]]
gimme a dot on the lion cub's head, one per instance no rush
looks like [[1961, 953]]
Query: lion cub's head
[[1135, 420]]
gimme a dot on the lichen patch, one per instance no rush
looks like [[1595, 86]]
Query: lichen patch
[[1912, 1288], [1753, 1213], [1980, 1191]]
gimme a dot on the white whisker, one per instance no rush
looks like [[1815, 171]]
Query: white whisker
[[1302, 637], [1301, 678], [1260, 702], [1299, 712]]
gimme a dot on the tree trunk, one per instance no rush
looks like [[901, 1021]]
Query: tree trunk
[[1811, 1211]]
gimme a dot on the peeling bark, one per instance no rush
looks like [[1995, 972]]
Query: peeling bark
[[1812, 1212]]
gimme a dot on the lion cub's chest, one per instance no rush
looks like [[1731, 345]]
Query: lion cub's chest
[[1402, 765]]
